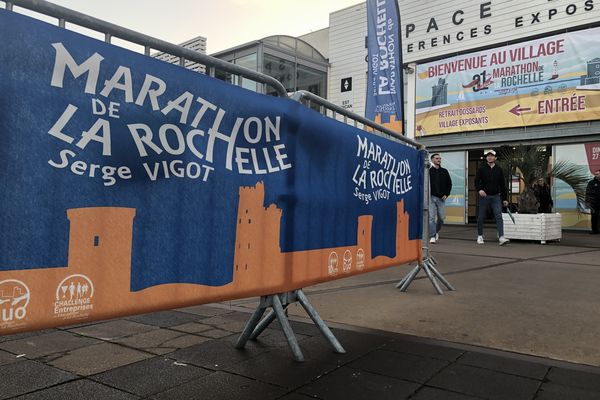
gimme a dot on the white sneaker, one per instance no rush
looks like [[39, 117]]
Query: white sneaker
[[502, 241], [432, 240], [479, 239], [437, 237]]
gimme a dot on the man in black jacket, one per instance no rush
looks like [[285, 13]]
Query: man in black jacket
[[592, 196], [491, 189], [441, 185]]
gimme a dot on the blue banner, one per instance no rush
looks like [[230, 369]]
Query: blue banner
[[85, 124], [384, 103]]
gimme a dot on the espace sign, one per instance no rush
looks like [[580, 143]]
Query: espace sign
[[461, 25]]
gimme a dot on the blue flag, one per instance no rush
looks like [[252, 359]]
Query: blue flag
[[384, 84]]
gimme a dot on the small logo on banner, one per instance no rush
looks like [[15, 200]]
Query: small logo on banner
[[346, 84], [74, 297], [332, 265], [347, 261], [360, 259], [14, 298]]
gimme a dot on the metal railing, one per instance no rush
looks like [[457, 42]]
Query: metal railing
[[110, 30]]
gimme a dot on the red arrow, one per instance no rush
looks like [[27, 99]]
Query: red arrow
[[517, 110]]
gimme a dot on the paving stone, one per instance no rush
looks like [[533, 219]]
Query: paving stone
[[204, 310], [221, 385], [424, 349], [192, 327], [98, 358], [399, 365], [552, 391], [161, 341], [27, 376], [484, 383], [215, 333], [79, 389], [216, 354], [47, 344], [505, 364], [8, 358], [165, 319], [583, 380], [348, 383], [296, 396], [113, 329], [18, 336], [280, 369], [429, 393], [151, 376]]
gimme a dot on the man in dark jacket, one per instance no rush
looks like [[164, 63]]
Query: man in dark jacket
[[441, 185], [592, 196], [491, 190]]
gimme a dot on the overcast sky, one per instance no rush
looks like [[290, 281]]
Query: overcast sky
[[225, 23]]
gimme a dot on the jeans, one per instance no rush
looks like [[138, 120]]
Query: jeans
[[437, 207], [496, 203]]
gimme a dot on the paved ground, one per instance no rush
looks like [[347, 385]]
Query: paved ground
[[524, 297]]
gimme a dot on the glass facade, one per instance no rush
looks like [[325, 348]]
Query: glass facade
[[293, 62]]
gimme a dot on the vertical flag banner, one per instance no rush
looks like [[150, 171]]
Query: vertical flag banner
[[129, 185], [385, 84]]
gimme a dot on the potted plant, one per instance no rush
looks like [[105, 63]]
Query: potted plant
[[532, 165]]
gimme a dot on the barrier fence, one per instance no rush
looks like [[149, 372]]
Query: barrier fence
[[131, 185]]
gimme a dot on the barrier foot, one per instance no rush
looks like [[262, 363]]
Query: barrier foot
[[278, 303], [427, 265], [325, 331]]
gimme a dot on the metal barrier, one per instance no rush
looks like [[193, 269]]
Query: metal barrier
[[278, 302]]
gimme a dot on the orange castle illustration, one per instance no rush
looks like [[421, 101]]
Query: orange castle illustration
[[99, 260]]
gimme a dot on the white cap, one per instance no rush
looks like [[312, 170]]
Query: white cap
[[488, 151]]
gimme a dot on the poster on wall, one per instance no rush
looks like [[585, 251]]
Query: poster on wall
[[384, 102], [545, 81], [129, 185], [586, 155]]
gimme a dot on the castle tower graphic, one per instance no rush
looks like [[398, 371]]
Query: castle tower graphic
[[101, 242]]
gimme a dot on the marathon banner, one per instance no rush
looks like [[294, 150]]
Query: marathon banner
[[130, 185], [384, 103], [545, 81]]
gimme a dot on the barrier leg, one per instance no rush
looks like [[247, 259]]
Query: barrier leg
[[432, 278], [319, 322], [262, 325], [408, 278], [428, 265], [250, 326], [441, 277], [287, 329]]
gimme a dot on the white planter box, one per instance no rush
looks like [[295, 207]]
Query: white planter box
[[540, 227]]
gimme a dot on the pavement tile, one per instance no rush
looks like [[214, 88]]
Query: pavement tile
[[503, 364], [429, 393], [583, 380], [47, 344], [79, 389], [296, 396], [216, 354], [18, 336], [424, 349], [221, 385], [398, 365], [160, 341], [98, 358], [484, 383], [215, 333], [165, 319], [351, 384], [552, 391], [113, 329], [8, 358], [192, 327], [204, 310], [151, 376], [28, 376], [280, 369]]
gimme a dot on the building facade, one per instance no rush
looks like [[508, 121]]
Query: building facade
[[196, 44], [450, 39]]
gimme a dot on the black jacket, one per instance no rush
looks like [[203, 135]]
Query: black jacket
[[440, 182], [592, 193], [490, 180]]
